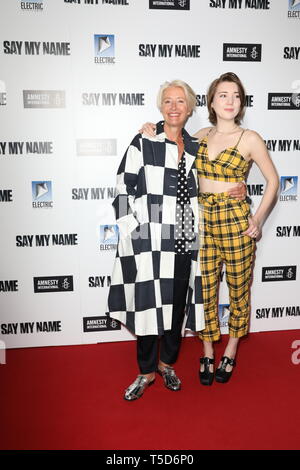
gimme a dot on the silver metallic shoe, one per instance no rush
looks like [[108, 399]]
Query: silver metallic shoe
[[137, 388], [171, 380]]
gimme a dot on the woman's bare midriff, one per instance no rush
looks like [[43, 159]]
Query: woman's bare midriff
[[211, 186]]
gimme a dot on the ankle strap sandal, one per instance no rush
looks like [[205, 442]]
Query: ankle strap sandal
[[206, 377], [222, 375]]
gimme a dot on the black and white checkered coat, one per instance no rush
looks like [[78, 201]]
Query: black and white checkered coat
[[141, 291]]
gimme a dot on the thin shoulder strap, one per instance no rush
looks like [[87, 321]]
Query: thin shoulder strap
[[240, 138], [204, 138]]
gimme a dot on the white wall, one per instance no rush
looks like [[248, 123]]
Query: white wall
[[75, 114]]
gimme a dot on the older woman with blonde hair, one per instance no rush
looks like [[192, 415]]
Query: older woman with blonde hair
[[157, 276]]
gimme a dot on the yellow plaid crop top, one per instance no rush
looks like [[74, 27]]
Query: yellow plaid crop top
[[229, 165]]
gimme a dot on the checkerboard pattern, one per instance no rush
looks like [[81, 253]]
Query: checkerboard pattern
[[141, 291]]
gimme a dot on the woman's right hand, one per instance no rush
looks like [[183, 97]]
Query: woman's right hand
[[253, 230], [149, 129]]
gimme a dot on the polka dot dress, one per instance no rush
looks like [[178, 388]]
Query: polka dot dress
[[184, 229]]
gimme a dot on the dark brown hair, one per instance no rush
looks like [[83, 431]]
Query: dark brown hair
[[226, 77]]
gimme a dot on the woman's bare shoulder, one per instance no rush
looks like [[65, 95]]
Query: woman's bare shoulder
[[251, 134], [202, 132], [252, 137]]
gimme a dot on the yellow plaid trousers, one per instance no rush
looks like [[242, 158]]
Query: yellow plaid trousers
[[222, 221]]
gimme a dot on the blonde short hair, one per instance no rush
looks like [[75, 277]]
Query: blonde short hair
[[188, 91]]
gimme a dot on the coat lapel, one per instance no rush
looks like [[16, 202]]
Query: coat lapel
[[191, 145]]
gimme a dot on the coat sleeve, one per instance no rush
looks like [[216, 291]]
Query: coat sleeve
[[127, 179]]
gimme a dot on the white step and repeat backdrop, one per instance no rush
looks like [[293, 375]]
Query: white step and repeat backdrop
[[77, 80]]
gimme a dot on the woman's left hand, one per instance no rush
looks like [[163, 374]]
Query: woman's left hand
[[253, 230], [239, 191]]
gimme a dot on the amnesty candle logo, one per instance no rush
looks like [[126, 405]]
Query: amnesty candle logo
[[169, 4], [42, 194], [104, 45]]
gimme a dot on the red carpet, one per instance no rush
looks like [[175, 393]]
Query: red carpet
[[71, 398]]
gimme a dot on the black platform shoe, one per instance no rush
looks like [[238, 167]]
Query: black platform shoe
[[222, 375], [206, 377]]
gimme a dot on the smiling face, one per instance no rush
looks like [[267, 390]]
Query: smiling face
[[174, 107], [226, 102]]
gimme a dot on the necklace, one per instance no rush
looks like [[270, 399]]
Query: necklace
[[230, 132]]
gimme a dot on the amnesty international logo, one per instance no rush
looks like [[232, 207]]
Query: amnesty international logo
[[53, 284], [91, 324], [169, 4], [284, 101], [44, 99], [242, 52], [104, 47], [279, 273]]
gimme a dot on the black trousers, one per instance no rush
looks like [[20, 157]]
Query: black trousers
[[148, 346]]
